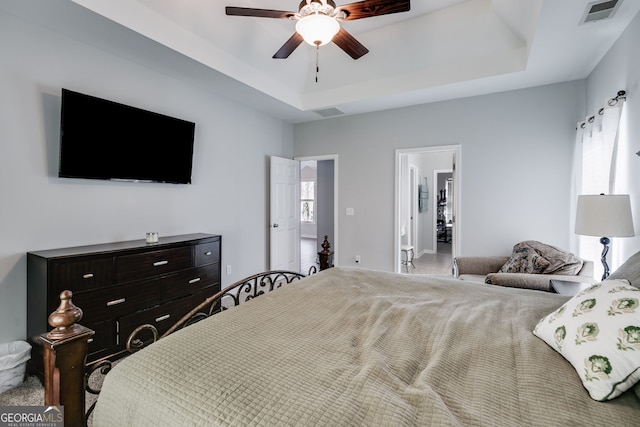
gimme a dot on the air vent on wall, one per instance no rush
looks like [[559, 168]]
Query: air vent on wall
[[600, 10], [329, 112]]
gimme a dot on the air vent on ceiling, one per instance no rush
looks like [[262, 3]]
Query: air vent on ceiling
[[329, 112], [600, 10]]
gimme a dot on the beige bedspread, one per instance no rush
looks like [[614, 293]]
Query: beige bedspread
[[353, 347]]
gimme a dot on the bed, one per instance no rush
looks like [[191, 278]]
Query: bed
[[355, 347]]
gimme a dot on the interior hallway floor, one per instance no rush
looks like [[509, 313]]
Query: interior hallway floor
[[438, 263], [308, 254]]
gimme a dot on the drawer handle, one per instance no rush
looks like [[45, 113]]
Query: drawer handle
[[87, 276], [161, 318], [116, 302], [208, 253], [159, 263], [192, 281]]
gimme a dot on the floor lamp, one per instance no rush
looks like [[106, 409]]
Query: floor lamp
[[604, 215]]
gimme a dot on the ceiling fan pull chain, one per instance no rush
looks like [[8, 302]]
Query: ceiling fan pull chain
[[317, 66]]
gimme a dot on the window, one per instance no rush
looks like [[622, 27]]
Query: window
[[597, 139], [307, 197]]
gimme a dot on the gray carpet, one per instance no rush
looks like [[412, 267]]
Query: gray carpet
[[31, 393]]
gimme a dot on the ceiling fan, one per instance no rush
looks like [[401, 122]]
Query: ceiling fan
[[318, 22]]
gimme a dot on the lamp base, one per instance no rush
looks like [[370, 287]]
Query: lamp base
[[603, 257]]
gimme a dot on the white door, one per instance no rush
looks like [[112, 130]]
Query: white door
[[285, 214]]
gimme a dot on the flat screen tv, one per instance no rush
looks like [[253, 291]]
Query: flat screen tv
[[101, 139]]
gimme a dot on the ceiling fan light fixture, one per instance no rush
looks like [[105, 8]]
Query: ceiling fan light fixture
[[317, 29]]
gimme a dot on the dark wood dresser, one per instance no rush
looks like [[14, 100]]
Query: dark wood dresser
[[120, 286]]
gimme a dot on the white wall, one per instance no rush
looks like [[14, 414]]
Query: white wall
[[620, 69], [40, 211], [516, 153]]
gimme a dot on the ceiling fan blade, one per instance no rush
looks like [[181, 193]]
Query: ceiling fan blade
[[349, 44], [369, 8], [260, 13], [289, 46]]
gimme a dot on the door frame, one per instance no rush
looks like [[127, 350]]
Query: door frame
[[457, 161], [335, 246]]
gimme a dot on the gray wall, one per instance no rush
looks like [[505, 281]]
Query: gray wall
[[620, 69], [325, 201], [40, 211], [515, 167]]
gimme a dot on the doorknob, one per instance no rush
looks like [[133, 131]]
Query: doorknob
[[275, 226]]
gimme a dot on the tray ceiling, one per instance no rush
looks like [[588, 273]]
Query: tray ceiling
[[441, 49]]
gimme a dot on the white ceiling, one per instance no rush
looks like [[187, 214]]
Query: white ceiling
[[441, 49]]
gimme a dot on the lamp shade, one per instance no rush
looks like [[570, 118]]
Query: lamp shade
[[317, 29], [604, 216]]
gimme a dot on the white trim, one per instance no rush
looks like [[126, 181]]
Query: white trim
[[335, 244], [423, 252]]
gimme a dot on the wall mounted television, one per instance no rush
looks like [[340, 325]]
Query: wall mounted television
[[101, 139]]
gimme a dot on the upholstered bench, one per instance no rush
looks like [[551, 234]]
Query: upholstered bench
[[532, 265]]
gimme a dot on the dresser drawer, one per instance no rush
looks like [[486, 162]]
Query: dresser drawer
[[162, 317], [189, 281], [104, 337], [109, 303], [150, 264], [82, 275], [207, 253], [200, 297]]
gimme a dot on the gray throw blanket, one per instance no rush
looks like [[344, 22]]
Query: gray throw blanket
[[532, 256]]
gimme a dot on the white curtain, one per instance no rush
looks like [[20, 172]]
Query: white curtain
[[595, 158]]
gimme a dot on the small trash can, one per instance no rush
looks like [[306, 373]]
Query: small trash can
[[13, 362]]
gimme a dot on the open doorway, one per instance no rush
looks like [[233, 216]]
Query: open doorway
[[442, 222], [427, 212], [318, 202]]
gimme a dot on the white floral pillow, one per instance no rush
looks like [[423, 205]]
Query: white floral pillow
[[598, 332]]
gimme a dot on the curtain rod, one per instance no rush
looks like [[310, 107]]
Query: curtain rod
[[622, 94]]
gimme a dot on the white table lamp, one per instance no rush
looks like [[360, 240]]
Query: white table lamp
[[604, 215]]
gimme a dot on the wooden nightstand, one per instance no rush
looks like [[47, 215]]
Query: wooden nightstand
[[567, 287]]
